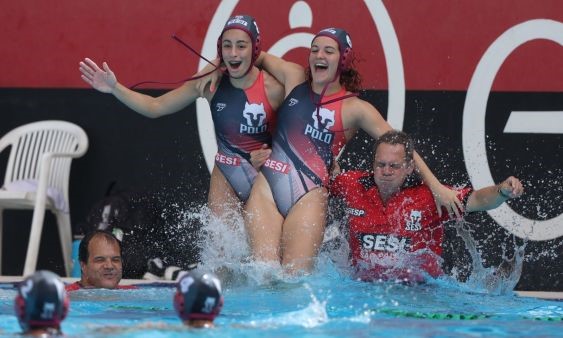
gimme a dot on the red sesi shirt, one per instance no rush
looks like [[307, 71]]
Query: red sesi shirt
[[77, 286], [398, 240]]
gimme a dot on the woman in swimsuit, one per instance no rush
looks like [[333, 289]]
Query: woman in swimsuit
[[287, 208], [243, 110]]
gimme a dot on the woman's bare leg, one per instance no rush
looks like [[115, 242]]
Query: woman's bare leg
[[222, 199], [263, 222], [303, 231]]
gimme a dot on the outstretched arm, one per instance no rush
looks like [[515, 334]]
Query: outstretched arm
[[105, 81], [491, 197], [364, 115]]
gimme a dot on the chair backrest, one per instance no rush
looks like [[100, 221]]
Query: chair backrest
[[31, 141]]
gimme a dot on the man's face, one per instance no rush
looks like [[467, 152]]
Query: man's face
[[390, 168], [104, 267]]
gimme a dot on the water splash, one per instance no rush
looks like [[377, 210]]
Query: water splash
[[313, 315], [499, 280]]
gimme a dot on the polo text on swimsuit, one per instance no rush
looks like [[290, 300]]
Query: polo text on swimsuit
[[244, 129], [277, 166], [228, 160], [323, 120], [255, 117], [325, 137], [382, 242]]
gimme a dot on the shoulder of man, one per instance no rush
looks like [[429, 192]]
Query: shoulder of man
[[76, 286], [73, 287], [349, 181]]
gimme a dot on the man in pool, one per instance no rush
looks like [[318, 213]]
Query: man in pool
[[101, 265], [198, 299], [395, 232], [41, 304]]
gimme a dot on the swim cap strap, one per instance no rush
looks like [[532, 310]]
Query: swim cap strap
[[185, 80]]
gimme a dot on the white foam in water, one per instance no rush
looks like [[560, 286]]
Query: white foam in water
[[313, 315], [224, 249]]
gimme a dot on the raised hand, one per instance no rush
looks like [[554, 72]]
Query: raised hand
[[210, 80], [511, 188], [445, 197], [103, 80]]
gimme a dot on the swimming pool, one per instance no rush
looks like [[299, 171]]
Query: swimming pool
[[325, 304], [260, 302]]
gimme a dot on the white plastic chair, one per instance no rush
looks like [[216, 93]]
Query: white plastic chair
[[37, 177]]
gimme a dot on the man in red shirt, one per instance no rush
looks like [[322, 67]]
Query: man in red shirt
[[100, 262], [395, 232]]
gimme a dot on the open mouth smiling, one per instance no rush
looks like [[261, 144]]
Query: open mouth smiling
[[235, 64], [320, 66]]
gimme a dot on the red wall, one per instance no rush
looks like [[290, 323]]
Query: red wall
[[441, 41]]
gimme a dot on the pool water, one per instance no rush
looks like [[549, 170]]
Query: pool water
[[260, 301], [324, 304]]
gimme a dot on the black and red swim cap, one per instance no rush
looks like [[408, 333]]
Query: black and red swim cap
[[247, 24], [198, 296], [344, 45], [42, 301]]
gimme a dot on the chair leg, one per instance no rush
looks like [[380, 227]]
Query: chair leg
[[65, 237], [34, 240], [1, 237]]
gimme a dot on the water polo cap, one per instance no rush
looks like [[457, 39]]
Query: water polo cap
[[41, 301], [198, 296], [344, 45], [247, 24]]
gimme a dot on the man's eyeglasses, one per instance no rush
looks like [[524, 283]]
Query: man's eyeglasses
[[393, 166]]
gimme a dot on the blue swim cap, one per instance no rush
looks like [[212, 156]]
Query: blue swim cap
[[41, 301], [198, 296]]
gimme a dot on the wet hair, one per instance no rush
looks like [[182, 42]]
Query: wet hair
[[396, 137], [349, 77], [198, 296], [41, 301], [247, 24], [83, 253]]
